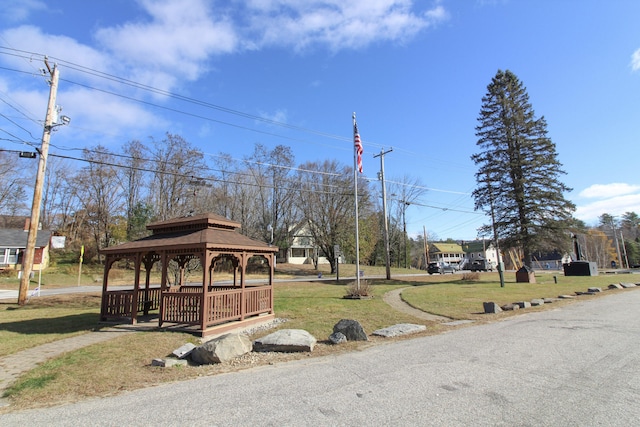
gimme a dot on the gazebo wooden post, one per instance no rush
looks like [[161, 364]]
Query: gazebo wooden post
[[105, 280], [136, 289], [205, 259], [163, 286], [244, 257], [148, 264], [271, 258]]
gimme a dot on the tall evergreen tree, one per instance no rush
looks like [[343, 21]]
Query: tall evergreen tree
[[518, 171]]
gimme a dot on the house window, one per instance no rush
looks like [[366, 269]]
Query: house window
[[298, 252], [8, 256]]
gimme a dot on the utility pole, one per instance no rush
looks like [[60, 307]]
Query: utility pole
[[29, 253], [384, 213], [426, 247]]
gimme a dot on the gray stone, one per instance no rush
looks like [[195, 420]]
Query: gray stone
[[510, 307], [550, 300], [399, 329], [221, 349], [566, 296], [537, 302], [523, 304], [594, 290], [158, 362], [615, 286], [175, 362], [167, 363], [628, 285], [287, 341], [337, 338], [183, 351], [352, 329], [491, 307]]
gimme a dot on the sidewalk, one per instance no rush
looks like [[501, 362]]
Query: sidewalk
[[13, 365]]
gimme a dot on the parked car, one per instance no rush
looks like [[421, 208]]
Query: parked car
[[481, 265], [435, 267]]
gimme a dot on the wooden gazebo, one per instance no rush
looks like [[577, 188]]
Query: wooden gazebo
[[204, 308]]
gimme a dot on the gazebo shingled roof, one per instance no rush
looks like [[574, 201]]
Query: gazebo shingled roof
[[209, 238]]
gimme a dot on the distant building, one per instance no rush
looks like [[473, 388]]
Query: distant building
[[13, 242], [303, 249], [480, 249], [450, 253]]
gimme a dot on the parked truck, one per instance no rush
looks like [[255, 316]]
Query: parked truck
[[482, 265]]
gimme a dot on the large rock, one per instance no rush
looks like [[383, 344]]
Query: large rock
[[184, 351], [337, 338], [491, 307], [221, 349], [537, 302], [352, 329], [286, 340], [399, 329]]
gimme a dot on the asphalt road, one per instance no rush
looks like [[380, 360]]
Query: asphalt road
[[572, 366]]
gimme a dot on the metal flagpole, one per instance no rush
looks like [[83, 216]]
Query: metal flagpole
[[356, 136]]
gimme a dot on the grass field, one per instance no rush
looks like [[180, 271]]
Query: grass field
[[124, 363]]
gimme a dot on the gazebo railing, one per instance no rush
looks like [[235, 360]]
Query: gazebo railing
[[258, 300], [223, 306], [181, 307], [117, 304]]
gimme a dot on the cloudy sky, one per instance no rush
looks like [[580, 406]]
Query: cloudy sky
[[226, 75]]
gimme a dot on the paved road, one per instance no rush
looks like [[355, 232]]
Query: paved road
[[573, 366]]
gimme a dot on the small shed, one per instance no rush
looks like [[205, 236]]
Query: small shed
[[205, 307]]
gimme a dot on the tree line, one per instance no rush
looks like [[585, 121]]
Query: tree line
[[104, 198]]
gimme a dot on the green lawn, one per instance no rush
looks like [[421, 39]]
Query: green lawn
[[124, 362]]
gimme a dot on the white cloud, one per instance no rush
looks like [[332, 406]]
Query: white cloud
[[599, 191], [614, 199], [19, 10], [335, 23], [635, 60]]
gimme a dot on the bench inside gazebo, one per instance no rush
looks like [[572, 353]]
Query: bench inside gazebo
[[205, 307]]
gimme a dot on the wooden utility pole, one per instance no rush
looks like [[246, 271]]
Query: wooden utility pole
[[384, 213], [29, 253]]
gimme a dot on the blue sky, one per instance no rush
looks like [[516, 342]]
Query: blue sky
[[413, 71]]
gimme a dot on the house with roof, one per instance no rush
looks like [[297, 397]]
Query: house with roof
[[13, 242], [479, 250], [303, 249], [449, 253]]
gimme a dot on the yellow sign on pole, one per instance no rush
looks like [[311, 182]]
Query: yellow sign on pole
[[80, 265]]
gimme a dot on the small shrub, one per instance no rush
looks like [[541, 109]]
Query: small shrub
[[365, 290], [473, 276]]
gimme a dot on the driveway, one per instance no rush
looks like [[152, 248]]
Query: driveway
[[573, 366]]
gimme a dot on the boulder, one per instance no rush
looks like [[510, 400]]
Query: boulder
[[221, 349], [510, 307], [337, 338], [594, 290], [399, 329], [286, 340], [167, 363], [184, 350], [537, 302], [523, 304], [566, 296], [491, 307], [615, 286], [352, 329], [628, 285]]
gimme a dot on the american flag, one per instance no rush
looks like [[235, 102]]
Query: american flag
[[358, 146]]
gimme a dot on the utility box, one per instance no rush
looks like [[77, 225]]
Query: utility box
[[580, 268], [525, 275]]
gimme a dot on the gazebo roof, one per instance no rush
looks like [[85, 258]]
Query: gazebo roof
[[200, 231]]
